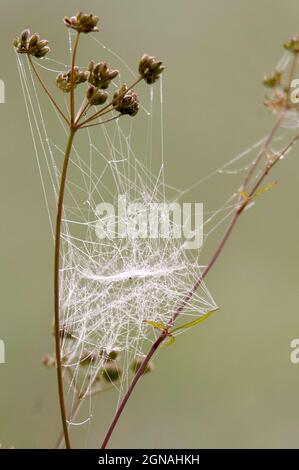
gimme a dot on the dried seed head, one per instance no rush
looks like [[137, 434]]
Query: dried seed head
[[95, 96], [126, 101], [277, 100], [48, 361], [64, 79], [136, 364], [272, 80], [150, 68], [113, 355], [82, 22], [24, 37], [34, 40], [292, 45], [112, 373], [100, 75], [31, 45]]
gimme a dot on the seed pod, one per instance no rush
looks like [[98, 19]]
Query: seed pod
[[292, 45], [150, 68], [48, 361], [42, 44], [64, 79], [100, 75], [95, 96], [24, 37], [34, 40], [31, 45], [126, 101], [42, 52], [112, 373], [82, 22], [112, 355]]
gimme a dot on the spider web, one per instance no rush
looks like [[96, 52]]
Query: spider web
[[110, 287]]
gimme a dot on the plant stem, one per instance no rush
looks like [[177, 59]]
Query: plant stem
[[72, 91], [262, 151], [102, 122], [46, 90], [135, 379], [75, 410], [57, 286], [83, 108], [201, 278], [60, 203]]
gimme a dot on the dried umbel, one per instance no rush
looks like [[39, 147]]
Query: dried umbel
[[125, 101], [272, 80], [112, 373], [277, 100], [82, 22], [48, 361], [64, 80], [280, 97], [150, 68], [292, 45], [100, 75], [31, 45]]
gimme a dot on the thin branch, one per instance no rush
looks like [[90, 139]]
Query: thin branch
[[83, 109], [46, 90], [72, 91], [200, 279], [102, 122], [262, 151], [135, 379]]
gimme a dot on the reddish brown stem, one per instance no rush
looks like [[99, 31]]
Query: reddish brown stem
[[199, 281]]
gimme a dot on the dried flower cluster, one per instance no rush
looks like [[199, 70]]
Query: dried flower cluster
[[150, 68], [278, 98], [82, 22], [126, 101], [104, 358], [292, 45], [98, 75], [31, 45], [63, 80]]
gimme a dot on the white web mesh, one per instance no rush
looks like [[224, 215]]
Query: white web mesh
[[110, 287]]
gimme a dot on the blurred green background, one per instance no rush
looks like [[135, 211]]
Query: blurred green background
[[229, 382]]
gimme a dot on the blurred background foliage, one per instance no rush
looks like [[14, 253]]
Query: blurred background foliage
[[228, 382]]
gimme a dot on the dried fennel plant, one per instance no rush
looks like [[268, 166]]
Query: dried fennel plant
[[124, 102], [97, 105]]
